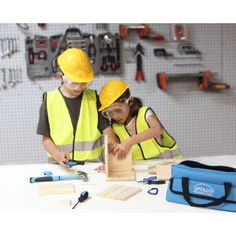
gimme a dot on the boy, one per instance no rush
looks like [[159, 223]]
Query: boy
[[69, 122]]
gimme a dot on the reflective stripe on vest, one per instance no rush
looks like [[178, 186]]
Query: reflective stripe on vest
[[149, 148], [87, 138]]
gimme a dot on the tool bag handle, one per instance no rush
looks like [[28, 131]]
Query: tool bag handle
[[185, 186]]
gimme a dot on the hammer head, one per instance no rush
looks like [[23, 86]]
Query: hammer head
[[84, 175]]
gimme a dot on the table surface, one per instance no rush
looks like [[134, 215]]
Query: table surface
[[19, 195]]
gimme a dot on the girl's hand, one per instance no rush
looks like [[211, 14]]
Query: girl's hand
[[61, 158], [122, 149], [111, 147]]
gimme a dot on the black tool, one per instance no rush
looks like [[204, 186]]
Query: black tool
[[110, 58], [118, 52], [92, 49], [29, 43], [161, 52], [156, 182], [139, 70], [104, 66], [83, 196]]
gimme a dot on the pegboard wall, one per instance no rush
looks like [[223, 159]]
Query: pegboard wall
[[202, 122]]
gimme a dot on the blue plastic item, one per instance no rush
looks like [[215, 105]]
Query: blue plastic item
[[48, 173], [199, 185], [74, 163], [54, 178], [153, 191], [145, 180]]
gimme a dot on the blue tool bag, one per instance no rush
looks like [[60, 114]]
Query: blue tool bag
[[200, 185]]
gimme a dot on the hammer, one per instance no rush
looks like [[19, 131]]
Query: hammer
[[50, 177]]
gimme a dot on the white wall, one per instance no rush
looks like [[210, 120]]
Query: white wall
[[203, 123]]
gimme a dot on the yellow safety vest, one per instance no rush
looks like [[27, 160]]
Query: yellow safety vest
[[85, 142], [149, 148]]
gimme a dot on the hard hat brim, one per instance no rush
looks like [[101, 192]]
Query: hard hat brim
[[79, 79]]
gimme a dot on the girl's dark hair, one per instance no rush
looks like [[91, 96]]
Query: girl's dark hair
[[136, 103]]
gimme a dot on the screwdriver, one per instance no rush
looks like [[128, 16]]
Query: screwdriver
[[83, 196]]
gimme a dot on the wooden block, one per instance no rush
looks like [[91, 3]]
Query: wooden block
[[163, 171], [118, 169], [152, 170], [55, 189], [119, 165], [119, 192], [121, 176]]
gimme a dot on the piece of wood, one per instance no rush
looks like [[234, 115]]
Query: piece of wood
[[55, 189], [154, 162], [163, 171], [119, 192], [118, 169]]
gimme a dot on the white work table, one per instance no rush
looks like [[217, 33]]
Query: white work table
[[19, 195]]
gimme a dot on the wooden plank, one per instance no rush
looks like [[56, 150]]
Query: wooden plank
[[121, 176], [55, 189], [119, 192], [163, 171], [118, 169]]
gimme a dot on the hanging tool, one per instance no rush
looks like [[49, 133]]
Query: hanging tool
[[55, 41], [139, 71], [92, 49], [157, 37], [179, 32], [4, 85], [142, 30], [202, 77], [108, 59], [40, 42], [50, 177], [83, 196], [205, 82], [41, 55], [74, 38], [188, 48], [29, 43], [104, 66], [118, 52], [161, 52]]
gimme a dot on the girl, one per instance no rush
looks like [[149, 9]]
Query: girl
[[136, 126]]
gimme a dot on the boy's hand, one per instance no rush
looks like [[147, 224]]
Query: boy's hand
[[61, 158], [101, 169]]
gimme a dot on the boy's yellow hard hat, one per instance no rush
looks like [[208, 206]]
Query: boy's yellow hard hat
[[75, 64], [110, 92]]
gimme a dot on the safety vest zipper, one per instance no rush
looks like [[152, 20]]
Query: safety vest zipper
[[73, 146]]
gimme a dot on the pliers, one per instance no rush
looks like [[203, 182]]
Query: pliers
[[151, 180]]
